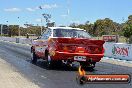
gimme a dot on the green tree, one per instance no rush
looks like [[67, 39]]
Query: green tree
[[128, 31], [13, 30], [102, 27], [127, 28]]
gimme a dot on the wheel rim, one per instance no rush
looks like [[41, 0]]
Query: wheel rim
[[49, 61], [49, 58]]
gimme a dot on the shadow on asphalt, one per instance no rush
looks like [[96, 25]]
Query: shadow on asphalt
[[63, 67]]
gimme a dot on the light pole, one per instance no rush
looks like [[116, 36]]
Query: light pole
[[18, 27], [41, 25], [1, 29], [41, 20], [68, 11], [7, 27]]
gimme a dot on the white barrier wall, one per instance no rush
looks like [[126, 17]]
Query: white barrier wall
[[17, 40], [10, 39], [25, 41], [118, 50]]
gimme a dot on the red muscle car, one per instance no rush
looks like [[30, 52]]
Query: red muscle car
[[67, 45]]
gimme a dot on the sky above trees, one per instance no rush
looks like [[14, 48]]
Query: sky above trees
[[63, 12]]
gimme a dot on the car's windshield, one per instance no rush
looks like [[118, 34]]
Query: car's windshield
[[70, 33]]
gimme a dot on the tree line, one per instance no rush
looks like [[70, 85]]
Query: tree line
[[100, 27], [13, 30], [107, 26]]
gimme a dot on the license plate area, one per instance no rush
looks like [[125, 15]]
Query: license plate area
[[79, 58]]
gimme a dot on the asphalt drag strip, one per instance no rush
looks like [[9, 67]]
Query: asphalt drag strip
[[19, 59]]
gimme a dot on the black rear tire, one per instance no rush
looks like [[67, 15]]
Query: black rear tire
[[34, 58], [49, 62]]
